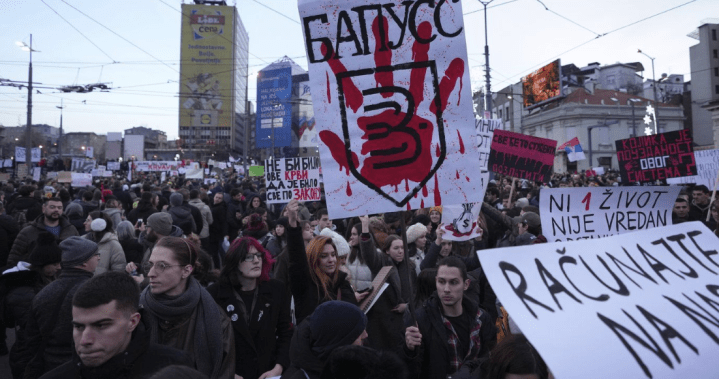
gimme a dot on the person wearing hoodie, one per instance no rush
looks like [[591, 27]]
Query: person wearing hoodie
[[332, 325], [74, 214], [18, 286], [181, 215], [145, 207], [111, 337], [113, 209], [207, 219], [112, 257]]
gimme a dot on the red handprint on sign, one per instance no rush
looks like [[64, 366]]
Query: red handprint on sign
[[397, 142]]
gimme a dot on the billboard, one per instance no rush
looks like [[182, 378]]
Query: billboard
[[305, 115], [542, 85], [207, 68], [274, 111]]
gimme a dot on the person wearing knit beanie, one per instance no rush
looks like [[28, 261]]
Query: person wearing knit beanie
[[415, 232], [46, 251], [161, 223], [78, 251], [343, 248]]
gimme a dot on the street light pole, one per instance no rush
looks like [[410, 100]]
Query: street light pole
[[488, 93], [654, 87], [59, 141], [28, 131]]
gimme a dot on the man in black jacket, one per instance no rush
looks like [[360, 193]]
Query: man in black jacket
[[452, 335], [49, 329], [110, 339]]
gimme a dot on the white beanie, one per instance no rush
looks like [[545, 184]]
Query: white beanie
[[343, 248], [415, 231]]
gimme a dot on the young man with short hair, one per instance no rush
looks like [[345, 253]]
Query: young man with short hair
[[680, 213], [323, 221], [110, 339], [452, 334], [699, 208]]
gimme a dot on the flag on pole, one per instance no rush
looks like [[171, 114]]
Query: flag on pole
[[573, 149]]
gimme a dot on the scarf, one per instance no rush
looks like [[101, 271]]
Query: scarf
[[207, 327], [455, 362]]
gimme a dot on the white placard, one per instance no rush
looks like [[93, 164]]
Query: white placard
[[193, 171], [240, 169], [113, 166], [210, 180], [163, 175], [37, 171], [81, 179], [222, 165], [292, 178], [7, 163], [707, 166], [610, 309], [393, 111], [36, 154], [597, 212], [485, 130], [90, 151], [20, 154], [174, 173]]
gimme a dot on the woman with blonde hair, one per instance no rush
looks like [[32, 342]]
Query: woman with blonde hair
[[314, 274]]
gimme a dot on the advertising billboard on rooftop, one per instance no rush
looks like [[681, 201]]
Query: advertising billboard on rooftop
[[542, 85]]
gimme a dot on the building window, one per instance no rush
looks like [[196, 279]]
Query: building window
[[714, 34], [716, 71], [715, 54], [716, 89]]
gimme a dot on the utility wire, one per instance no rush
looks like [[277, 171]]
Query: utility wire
[[278, 12], [647, 18], [493, 6], [575, 23], [77, 30]]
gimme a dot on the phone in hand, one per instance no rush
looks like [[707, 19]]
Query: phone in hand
[[139, 222]]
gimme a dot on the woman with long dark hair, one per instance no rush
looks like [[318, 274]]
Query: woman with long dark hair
[[259, 308], [314, 274], [182, 313], [112, 256], [360, 274]]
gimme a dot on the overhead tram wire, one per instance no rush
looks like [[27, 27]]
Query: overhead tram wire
[[573, 22], [278, 12], [594, 39], [490, 7], [78, 30]]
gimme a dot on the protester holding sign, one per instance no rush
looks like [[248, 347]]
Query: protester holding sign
[[314, 274], [385, 317]]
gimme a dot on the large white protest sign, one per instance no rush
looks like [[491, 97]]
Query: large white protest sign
[[193, 171], [20, 154], [35, 154], [81, 179], [36, 172], [156, 165], [113, 166], [292, 178], [392, 103], [707, 167], [639, 305], [592, 212]]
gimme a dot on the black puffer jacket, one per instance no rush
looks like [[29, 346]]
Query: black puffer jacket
[[140, 360], [56, 332], [9, 230], [304, 289], [25, 241]]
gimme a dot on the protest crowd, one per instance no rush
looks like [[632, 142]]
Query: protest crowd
[[176, 278]]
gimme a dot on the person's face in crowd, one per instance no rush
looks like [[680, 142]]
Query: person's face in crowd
[[396, 251], [155, 201], [49, 271], [358, 341], [522, 227], [354, 238], [446, 248], [715, 212], [52, 210], [314, 223], [307, 232], [325, 222], [681, 209], [505, 203], [700, 197], [421, 242], [167, 276], [237, 197], [87, 223], [91, 264], [279, 230], [219, 197], [491, 198], [435, 217], [256, 202], [102, 332], [506, 182], [450, 286], [251, 269], [238, 215], [264, 217], [328, 260]]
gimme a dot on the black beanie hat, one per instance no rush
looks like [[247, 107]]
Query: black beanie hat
[[334, 324], [46, 251]]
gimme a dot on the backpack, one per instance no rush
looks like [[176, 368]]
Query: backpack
[[20, 216]]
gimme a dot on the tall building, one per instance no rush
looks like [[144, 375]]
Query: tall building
[[213, 80], [704, 63]]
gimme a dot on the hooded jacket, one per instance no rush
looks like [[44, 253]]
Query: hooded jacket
[[207, 218], [140, 360], [182, 218], [26, 239], [112, 256]]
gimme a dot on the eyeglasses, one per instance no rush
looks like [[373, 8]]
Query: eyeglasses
[[160, 267], [251, 257]]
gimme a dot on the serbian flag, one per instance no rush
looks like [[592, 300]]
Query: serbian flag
[[573, 149]]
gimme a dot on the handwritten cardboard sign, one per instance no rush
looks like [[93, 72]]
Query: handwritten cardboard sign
[[293, 178], [391, 94], [591, 212], [637, 305], [707, 167], [656, 157], [522, 156]]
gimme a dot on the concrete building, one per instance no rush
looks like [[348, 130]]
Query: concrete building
[[75, 145], [609, 112], [154, 139], [704, 63], [42, 135]]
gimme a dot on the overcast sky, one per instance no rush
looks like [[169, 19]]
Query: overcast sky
[[522, 37]]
